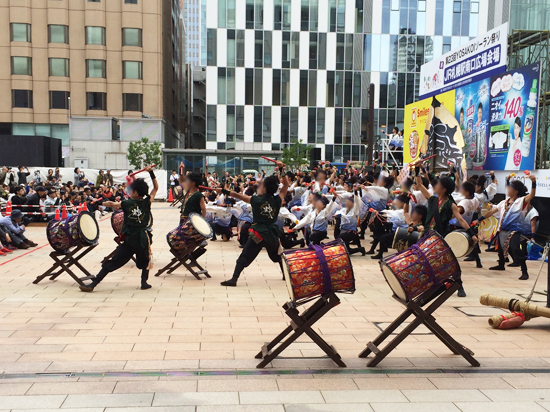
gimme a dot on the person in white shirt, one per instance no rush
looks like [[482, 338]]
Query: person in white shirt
[[316, 221], [348, 222], [174, 181]]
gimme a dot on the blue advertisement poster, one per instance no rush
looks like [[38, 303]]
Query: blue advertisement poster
[[472, 112], [513, 116]]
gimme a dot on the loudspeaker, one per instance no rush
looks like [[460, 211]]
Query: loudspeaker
[[34, 151], [314, 157]]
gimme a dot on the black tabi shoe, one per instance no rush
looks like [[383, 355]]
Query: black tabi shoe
[[230, 282], [490, 250], [302, 243], [498, 267], [470, 259], [379, 255], [478, 264], [370, 252], [145, 286], [514, 265], [506, 260], [524, 276], [363, 251], [461, 292], [87, 288]]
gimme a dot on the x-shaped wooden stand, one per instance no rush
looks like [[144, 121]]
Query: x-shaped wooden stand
[[188, 260], [299, 325], [422, 316], [63, 263]]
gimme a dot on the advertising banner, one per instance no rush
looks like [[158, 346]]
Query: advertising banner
[[480, 58], [513, 117], [472, 112], [417, 114]]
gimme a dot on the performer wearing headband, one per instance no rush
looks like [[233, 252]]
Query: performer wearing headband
[[193, 201], [136, 239], [264, 232], [512, 215]]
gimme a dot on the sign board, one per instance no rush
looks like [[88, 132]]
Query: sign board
[[480, 58]]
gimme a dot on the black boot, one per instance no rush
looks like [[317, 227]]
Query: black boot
[[524, 274], [373, 247], [478, 263], [144, 278], [379, 255], [500, 266], [99, 277], [231, 282], [461, 292]]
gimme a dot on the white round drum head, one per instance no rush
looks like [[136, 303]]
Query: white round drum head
[[458, 242], [201, 225], [288, 279], [88, 227], [394, 283]]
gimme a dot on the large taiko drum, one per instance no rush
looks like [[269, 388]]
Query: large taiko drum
[[191, 232], [403, 239], [317, 271], [460, 242], [422, 267], [77, 230]]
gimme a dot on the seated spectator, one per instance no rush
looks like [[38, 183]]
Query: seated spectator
[[100, 178], [50, 175], [16, 230], [6, 245], [51, 203], [37, 177], [4, 192], [19, 198], [34, 200]]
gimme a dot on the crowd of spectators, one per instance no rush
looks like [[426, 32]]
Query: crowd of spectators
[[35, 199]]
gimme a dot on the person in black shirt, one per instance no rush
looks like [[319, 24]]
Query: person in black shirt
[[264, 231], [22, 175], [136, 238], [193, 200]]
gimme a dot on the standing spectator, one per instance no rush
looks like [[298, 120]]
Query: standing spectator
[[22, 175], [16, 230], [10, 178], [78, 175], [50, 175], [3, 174], [174, 178], [37, 177], [58, 175], [109, 179], [100, 179]]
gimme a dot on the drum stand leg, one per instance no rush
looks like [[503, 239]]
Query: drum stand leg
[[299, 325], [63, 263], [421, 317], [110, 255], [189, 261]]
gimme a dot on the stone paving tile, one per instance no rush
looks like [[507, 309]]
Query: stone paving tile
[[196, 398], [112, 400], [277, 398], [12, 389], [316, 384], [155, 386], [364, 407], [416, 407], [32, 402], [446, 395], [500, 407], [517, 395], [363, 396], [384, 383], [70, 388], [153, 409], [237, 385], [243, 408]]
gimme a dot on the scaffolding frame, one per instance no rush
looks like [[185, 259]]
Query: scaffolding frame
[[527, 47]]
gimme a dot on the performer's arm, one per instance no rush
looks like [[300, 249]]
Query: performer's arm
[[284, 189], [305, 221], [155, 183], [531, 195], [203, 207], [112, 205], [421, 186]]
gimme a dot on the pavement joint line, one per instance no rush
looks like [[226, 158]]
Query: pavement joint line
[[274, 372]]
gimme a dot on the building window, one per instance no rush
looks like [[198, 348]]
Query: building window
[[132, 102], [131, 1], [211, 123], [59, 67], [95, 68], [446, 47], [59, 100], [95, 35], [58, 34], [94, 1], [132, 70], [131, 37], [21, 32], [22, 98], [474, 7], [422, 5], [457, 6], [96, 101], [395, 5], [21, 65], [249, 14]]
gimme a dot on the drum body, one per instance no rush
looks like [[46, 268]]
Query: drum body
[[117, 220], [192, 231], [460, 242], [303, 271], [77, 230], [424, 266], [403, 239]]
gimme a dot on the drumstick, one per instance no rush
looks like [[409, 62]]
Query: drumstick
[[139, 171], [420, 161], [271, 160]]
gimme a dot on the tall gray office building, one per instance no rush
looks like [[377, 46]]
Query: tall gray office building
[[279, 71], [195, 22]]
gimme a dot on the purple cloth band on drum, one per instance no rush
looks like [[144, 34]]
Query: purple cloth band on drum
[[327, 279]]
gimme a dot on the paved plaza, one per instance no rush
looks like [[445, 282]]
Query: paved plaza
[[188, 345]]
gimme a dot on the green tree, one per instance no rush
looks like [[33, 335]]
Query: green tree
[[296, 155], [142, 153]]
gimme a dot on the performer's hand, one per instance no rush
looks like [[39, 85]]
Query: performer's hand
[[148, 169], [420, 228], [410, 229], [279, 164], [475, 239], [532, 178]]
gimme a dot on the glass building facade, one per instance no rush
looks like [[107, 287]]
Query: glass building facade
[[195, 22], [279, 71]]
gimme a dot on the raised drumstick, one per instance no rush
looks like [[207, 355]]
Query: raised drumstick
[[271, 160]]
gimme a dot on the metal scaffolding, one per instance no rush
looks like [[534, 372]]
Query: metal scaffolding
[[527, 47]]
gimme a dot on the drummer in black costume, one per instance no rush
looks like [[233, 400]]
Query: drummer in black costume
[[193, 200], [442, 209], [136, 238], [264, 232]]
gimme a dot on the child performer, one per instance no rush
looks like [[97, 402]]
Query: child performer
[[348, 224], [193, 201], [467, 208], [263, 233], [317, 219], [136, 238], [512, 215]]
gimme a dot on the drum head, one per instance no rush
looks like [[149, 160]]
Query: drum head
[[201, 225], [393, 282], [88, 227], [459, 242], [288, 279]]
